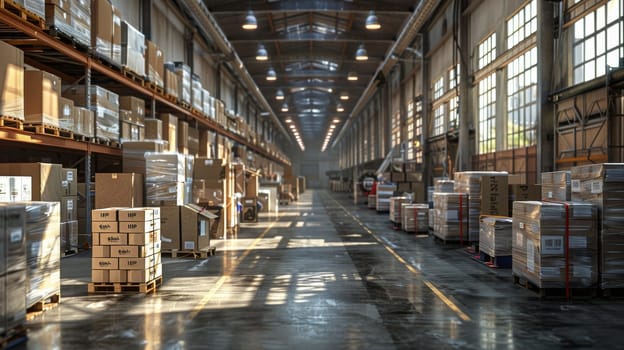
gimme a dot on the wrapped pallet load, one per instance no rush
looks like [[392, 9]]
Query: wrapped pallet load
[[451, 216]]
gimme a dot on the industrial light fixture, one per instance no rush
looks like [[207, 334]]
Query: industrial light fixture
[[288, 120], [271, 75], [285, 107], [339, 108], [262, 54], [344, 96], [279, 95], [250, 21], [352, 76], [361, 54], [372, 22], [336, 120]]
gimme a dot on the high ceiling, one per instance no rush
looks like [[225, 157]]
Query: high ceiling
[[312, 46]]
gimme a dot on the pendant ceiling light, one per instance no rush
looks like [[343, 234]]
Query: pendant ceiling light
[[279, 95], [262, 54], [339, 108], [271, 75], [250, 21], [361, 54], [372, 22], [352, 76], [285, 107]]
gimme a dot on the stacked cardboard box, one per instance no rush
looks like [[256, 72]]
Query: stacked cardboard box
[[395, 208], [165, 177], [58, 16], [118, 190], [126, 245], [153, 129], [12, 76], [133, 154], [196, 92], [171, 80], [523, 193], [105, 106], [495, 236], [69, 211], [186, 227], [555, 242], [209, 182], [183, 137], [384, 192], [154, 64], [43, 251], [132, 118], [415, 217], [183, 72], [470, 182], [81, 21], [450, 216], [35, 6], [132, 49], [13, 268], [42, 91], [601, 185], [46, 178], [67, 115], [170, 131], [117, 36], [15, 188], [444, 186], [102, 29], [556, 186]]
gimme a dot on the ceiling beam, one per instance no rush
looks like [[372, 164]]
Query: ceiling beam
[[243, 38], [363, 6], [285, 58]]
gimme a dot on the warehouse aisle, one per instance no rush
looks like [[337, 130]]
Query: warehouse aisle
[[323, 274]]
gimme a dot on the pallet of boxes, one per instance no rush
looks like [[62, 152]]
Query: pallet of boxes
[[126, 250]]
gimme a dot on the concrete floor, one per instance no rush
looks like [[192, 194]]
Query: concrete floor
[[324, 274]]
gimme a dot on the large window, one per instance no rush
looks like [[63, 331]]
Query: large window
[[396, 128], [418, 132], [487, 114], [522, 100], [410, 130], [453, 120], [521, 25], [598, 41], [487, 51], [453, 77], [438, 121], [438, 88]]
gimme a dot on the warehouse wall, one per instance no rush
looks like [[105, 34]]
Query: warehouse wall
[[168, 30], [131, 12]]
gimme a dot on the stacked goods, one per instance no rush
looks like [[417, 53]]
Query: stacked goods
[[133, 153], [132, 49], [601, 185], [105, 106], [13, 270], [102, 33], [42, 91], [81, 21], [58, 16], [126, 247], [154, 64], [170, 131], [495, 236], [46, 178], [470, 182], [67, 114], [116, 36], [15, 188], [118, 190], [555, 245], [450, 216], [444, 186], [415, 217], [131, 118], [171, 80], [35, 6], [372, 201], [384, 192], [43, 248], [523, 193], [183, 72], [556, 186], [165, 177], [209, 182], [12, 76], [207, 104], [196, 92], [395, 208], [69, 211], [186, 227]]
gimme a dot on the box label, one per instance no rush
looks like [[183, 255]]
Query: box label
[[581, 271], [549, 272], [189, 245], [576, 185], [552, 245], [596, 187], [577, 242], [530, 256]]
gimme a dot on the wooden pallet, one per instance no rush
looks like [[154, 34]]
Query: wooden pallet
[[83, 138], [133, 76], [186, 253], [51, 130], [68, 38], [156, 88], [171, 98], [11, 122], [455, 242], [13, 337], [106, 142], [493, 261], [42, 305], [555, 293], [25, 15], [184, 104], [128, 287]]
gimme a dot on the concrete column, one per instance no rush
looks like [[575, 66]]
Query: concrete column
[[545, 109], [466, 145]]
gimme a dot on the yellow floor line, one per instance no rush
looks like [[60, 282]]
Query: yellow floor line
[[449, 303], [226, 274]]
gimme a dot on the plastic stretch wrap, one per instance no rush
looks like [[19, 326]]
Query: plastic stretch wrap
[[105, 105], [415, 217], [556, 186], [384, 192], [35, 6], [81, 20], [43, 251], [183, 72], [470, 182], [206, 102], [165, 193], [197, 94], [450, 219], [495, 236], [444, 186], [395, 208], [165, 167], [56, 17], [132, 48], [540, 253], [603, 185]]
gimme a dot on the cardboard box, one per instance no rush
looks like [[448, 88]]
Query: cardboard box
[[127, 251], [104, 263], [153, 129], [105, 106], [46, 178], [195, 227], [133, 154], [135, 105], [142, 276], [523, 193], [69, 208], [404, 187], [84, 120], [252, 186], [183, 137], [105, 214], [136, 214], [69, 183], [142, 238], [42, 91], [118, 276], [113, 239], [209, 169], [170, 131], [117, 36], [137, 263], [102, 28], [104, 227], [15, 188], [81, 21], [59, 16], [100, 276], [165, 193], [118, 190], [193, 141], [170, 227], [95, 239], [12, 78], [137, 226], [494, 195], [154, 64], [183, 71], [171, 81], [101, 251], [165, 167], [132, 49], [397, 177], [66, 114]]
